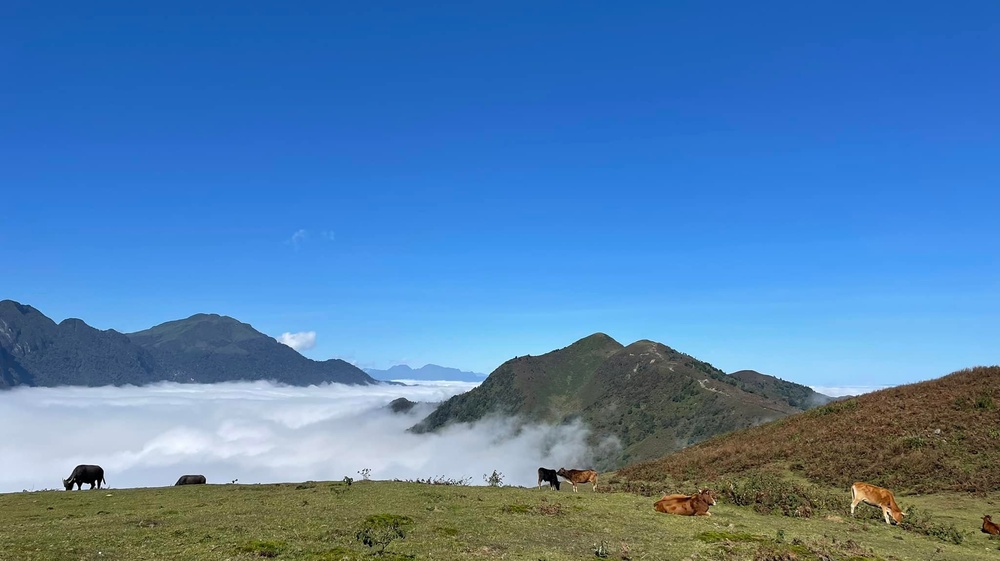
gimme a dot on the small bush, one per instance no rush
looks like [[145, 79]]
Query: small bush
[[495, 479], [366, 474], [768, 493], [985, 401], [919, 521], [379, 530]]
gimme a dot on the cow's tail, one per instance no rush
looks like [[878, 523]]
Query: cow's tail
[[104, 481]]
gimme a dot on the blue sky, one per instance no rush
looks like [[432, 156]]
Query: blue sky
[[805, 189]]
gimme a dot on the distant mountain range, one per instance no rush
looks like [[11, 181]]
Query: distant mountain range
[[652, 398], [427, 372], [204, 348]]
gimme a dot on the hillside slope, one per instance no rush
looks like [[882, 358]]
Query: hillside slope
[[649, 397], [943, 434]]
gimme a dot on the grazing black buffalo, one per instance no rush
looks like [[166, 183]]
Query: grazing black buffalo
[[85, 474], [549, 476], [191, 480]]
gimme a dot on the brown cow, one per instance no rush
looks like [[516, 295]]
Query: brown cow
[[686, 505], [575, 476], [989, 527], [877, 497]]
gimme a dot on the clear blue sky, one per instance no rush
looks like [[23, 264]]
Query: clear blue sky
[[806, 189]]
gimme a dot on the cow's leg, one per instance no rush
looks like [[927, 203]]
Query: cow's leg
[[574, 487], [854, 503], [885, 514], [91, 485]]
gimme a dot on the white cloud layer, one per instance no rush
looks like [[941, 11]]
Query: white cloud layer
[[839, 391], [262, 433], [301, 341]]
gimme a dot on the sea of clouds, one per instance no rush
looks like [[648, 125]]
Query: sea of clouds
[[259, 432]]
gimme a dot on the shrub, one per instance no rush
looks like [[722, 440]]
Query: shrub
[[494, 480], [382, 529], [919, 521]]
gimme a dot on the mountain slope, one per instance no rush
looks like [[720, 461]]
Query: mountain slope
[[942, 434], [36, 351], [542, 387], [71, 352], [207, 348], [650, 397], [791, 393]]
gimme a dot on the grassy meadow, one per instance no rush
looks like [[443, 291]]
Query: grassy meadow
[[319, 521]]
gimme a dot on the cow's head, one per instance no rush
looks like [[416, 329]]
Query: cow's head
[[68, 484], [707, 496], [987, 519], [897, 516], [562, 472]]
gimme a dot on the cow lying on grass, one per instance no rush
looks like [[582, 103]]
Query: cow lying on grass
[[876, 497], [575, 476], [989, 527], [686, 505]]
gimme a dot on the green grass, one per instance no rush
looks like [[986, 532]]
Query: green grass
[[319, 522]]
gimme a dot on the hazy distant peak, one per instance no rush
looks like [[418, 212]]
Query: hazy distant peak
[[425, 372]]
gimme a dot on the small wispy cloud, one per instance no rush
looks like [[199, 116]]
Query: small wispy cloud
[[301, 341], [298, 238], [302, 236]]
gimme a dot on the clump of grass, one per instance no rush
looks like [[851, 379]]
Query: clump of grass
[[264, 548], [517, 509], [919, 521]]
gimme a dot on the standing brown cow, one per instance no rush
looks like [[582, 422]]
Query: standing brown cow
[[877, 497], [575, 476], [687, 505], [990, 527]]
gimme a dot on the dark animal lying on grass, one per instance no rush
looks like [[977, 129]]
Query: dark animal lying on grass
[[686, 505], [191, 480], [549, 476], [85, 474]]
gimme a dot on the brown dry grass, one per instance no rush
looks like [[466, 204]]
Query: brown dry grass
[[939, 435]]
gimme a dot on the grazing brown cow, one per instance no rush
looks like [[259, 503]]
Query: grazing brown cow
[[989, 527], [877, 497], [575, 476], [686, 505]]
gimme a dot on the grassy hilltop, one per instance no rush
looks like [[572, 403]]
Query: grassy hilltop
[[317, 521]]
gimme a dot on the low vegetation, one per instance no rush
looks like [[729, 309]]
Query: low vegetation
[[383, 520], [940, 435]]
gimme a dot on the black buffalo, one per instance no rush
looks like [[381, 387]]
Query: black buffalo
[[549, 476], [191, 480], [85, 474]]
